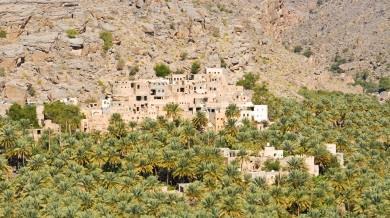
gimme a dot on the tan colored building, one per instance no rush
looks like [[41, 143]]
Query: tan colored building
[[332, 148], [210, 92], [253, 165], [48, 125]]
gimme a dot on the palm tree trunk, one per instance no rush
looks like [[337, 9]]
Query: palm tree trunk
[[60, 137], [49, 140], [167, 177]]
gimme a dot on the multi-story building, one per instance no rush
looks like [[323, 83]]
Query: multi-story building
[[210, 92]]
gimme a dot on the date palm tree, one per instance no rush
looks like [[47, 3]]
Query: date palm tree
[[117, 126], [132, 125], [5, 169], [231, 207], [168, 163], [296, 163], [231, 128], [300, 201], [184, 170], [187, 135], [232, 112], [200, 121], [21, 151], [297, 178], [242, 156], [173, 111], [8, 137]]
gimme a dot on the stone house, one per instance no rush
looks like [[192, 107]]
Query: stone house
[[253, 165], [45, 124], [332, 148], [210, 92]]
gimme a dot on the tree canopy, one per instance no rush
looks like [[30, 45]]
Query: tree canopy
[[17, 112], [67, 116], [248, 81], [122, 173], [162, 70]]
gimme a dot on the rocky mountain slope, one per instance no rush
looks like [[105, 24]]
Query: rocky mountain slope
[[357, 31], [40, 58]]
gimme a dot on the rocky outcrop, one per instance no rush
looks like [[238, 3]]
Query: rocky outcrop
[[16, 92], [39, 41], [12, 51], [357, 31], [76, 43], [241, 35]]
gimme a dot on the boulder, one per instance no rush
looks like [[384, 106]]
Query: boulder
[[15, 92], [76, 43], [139, 3], [108, 27], [12, 51], [148, 28], [40, 41], [234, 61]]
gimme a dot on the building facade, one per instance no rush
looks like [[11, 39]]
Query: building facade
[[211, 92]]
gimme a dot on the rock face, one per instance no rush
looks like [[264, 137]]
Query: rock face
[[357, 31], [40, 41], [76, 43], [13, 51], [15, 91], [242, 35]]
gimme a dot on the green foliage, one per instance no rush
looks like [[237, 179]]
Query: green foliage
[[298, 49], [262, 95], [72, 33], [3, 34], [68, 116], [271, 165], [337, 61], [28, 112], [384, 84], [249, 81], [195, 67], [200, 121], [107, 40], [307, 53], [162, 70], [173, 110], [121, 173], [117, 126], [2, 72], [232, 112], [362, 79]]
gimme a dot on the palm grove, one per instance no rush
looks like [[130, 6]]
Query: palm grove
[[121, 173]]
